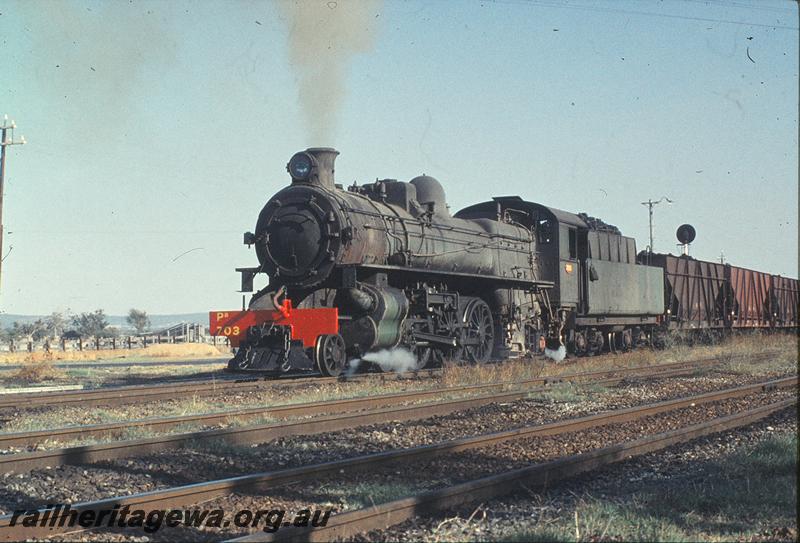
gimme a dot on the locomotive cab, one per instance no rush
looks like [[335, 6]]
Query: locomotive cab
[[600, 297]]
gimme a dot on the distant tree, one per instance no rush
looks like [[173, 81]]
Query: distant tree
[[139, 320], [33, 331], [55, 324], [91, 324]]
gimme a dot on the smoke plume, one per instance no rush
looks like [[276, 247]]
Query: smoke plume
[[558, 354], [324, 35]]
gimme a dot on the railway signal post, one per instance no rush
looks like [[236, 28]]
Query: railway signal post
[[650, 204], [5, 141]]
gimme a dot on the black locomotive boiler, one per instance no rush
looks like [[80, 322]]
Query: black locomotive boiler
[[385, 265]]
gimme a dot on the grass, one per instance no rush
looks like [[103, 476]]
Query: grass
[[367, 494], [218, 447], [780, 363], [734, 351], [116, 374], [164, 350], [569, 392], [745, 495], [455, 373], [36, 372]]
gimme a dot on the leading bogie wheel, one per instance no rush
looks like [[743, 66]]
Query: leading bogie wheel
[[330, 354]]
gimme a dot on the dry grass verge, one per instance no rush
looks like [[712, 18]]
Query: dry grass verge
[[734, 352], [174, 350], [748, 495], [36, 372]]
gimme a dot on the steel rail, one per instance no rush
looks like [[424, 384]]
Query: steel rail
[[246, 435], [201, 492], [33, 438], [36, 437], [125, 394], [243, 435], [123, 363], [121, 395], [533, 477], [143, 393]]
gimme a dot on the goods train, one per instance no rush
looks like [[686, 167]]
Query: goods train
[[386, 265]]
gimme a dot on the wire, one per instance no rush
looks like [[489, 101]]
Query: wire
[[731, 4], [644, 13], [187, 252], [121, 232]]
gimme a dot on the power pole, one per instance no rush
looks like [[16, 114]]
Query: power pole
[[5, 141], [650, 205]]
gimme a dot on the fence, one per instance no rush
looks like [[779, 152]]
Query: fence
[[180, 333]]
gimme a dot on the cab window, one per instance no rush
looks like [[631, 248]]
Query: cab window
[[573, 244], [544, 230]]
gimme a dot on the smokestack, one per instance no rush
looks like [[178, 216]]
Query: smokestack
[[314, 166], [325, 157]]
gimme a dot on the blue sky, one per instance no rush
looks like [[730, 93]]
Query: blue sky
[[157, 130]]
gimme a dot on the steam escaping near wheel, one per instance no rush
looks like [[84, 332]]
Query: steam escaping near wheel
[[557, 355], [352, 367], [398, 360]]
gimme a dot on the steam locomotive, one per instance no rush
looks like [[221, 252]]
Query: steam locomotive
[[385, 265]]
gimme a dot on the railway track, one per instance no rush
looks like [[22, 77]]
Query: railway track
[[34, 438], [352, 410], [353, 414], [123, 363], [383, 515], [531, 478], [125, 395]]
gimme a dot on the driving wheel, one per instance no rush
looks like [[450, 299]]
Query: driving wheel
[[450, 326], [479, 326]]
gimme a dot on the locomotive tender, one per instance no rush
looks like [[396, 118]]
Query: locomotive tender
[[385, 265]]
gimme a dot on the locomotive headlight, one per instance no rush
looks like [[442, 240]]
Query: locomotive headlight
[[300, 166]]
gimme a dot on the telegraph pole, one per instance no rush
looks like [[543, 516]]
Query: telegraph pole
[[5, 141], [650, 205]]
